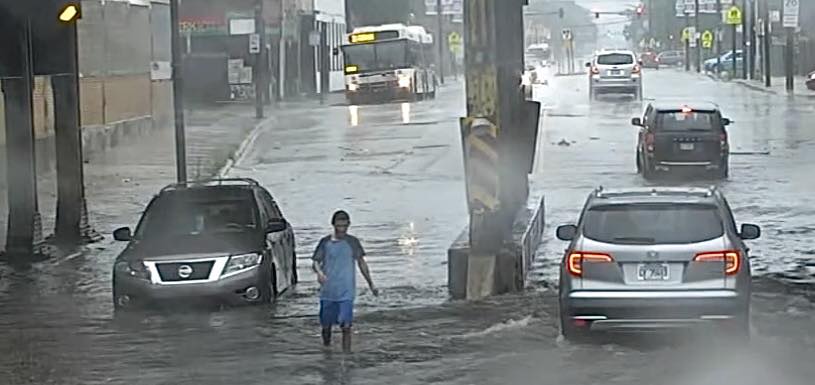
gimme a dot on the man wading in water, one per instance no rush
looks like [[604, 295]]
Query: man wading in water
[[334, 261]]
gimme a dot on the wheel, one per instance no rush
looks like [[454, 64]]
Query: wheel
[[571, 332], [268, 287], [639, 163], [294, 277]]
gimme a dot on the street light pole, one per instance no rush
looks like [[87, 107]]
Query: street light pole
[[178, 95], [719, 33], [440, 41], [695, 32]]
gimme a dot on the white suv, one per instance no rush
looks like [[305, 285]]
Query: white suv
[[615, 71]]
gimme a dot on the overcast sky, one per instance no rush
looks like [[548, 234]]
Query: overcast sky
[[607, 5]]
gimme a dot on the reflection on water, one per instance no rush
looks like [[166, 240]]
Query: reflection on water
[[405, 113], [408, 241], [353, 112]]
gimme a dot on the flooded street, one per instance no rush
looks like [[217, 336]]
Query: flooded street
[[397, 169]]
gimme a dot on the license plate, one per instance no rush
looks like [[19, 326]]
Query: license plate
[[615, 72], [686, 146], [653, 272]]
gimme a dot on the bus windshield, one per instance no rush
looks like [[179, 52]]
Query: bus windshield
[[377, 56]]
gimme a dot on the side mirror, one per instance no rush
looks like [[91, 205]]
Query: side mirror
[[588, 64], [276, 225], [123, 234], [640, 61], [566, 232], [749, 231], [726, 122], [636, 122]]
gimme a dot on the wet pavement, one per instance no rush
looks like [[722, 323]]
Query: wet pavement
[[397, 169]]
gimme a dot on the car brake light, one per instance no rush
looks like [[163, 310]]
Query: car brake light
[[636, 69], [723, 141], [595, 70], [576, 259], [730, 258]]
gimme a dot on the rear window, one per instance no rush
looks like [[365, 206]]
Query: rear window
[[615, 59], [687, 121], [653, 223]]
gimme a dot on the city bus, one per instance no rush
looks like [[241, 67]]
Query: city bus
[[389, 62]]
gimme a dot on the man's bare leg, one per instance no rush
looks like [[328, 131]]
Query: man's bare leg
[[346, 339]]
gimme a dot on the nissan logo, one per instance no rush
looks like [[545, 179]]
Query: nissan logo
[[184, 271]]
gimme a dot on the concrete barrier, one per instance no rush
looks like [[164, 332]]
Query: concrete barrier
[[100, 138], [473, 277]]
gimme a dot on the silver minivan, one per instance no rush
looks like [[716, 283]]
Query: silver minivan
[[615, 72], [655, 259]]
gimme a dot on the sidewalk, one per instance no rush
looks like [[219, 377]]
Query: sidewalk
[[120, 181], [778, 85]]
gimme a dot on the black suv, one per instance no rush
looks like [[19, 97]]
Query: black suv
[[224, 240], [682, 136]]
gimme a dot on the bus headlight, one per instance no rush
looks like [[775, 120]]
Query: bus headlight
[[353, 87], [404, 81]]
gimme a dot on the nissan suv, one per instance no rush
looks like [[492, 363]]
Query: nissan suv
[[615, 71], [222, 240], [682, 136], [655, 259]]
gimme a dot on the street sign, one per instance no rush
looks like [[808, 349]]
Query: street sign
[[448, 7], [707, 39], [687, 33], [566, 34], [314, 38], [791, 12], [733, 16], [254, 43], [454, 39], [775, 16]]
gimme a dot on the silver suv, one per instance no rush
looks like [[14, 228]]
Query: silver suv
[[651, 259], [615, 71]]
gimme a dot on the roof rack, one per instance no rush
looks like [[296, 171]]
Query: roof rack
[[655, 191], [211, 182]]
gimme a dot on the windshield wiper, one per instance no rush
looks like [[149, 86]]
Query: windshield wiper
[[644, 240]]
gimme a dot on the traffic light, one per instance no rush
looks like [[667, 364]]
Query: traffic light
[[561, 13], [53, 32]]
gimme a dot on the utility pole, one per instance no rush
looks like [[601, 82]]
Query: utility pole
[[687, 42], [325, 63], [695, 33], [752, 31], [719, 33], [440, 42], [650, 11], [178, 95], [744, 33], [733, 53], [789, 58], [260, 60], [767, 39]]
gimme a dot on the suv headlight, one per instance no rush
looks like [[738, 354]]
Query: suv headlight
[[132, 268], [238, 263], [404, 81]]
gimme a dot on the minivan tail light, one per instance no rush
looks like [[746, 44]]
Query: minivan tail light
[[730, 258], [636, 69], [595, 70], [576, 259], [723, 142]]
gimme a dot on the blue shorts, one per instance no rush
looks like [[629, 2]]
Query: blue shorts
[[336, 313]]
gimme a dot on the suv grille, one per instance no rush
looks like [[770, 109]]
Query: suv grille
[[170, 272]]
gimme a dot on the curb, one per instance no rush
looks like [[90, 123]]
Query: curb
[[243, 149], [755, 87]]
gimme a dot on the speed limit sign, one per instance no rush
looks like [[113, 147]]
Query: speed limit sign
[[791, 12]]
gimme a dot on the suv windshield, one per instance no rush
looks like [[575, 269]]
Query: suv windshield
[[615, 59], [652, 223], [687, 121], [193, 214]]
